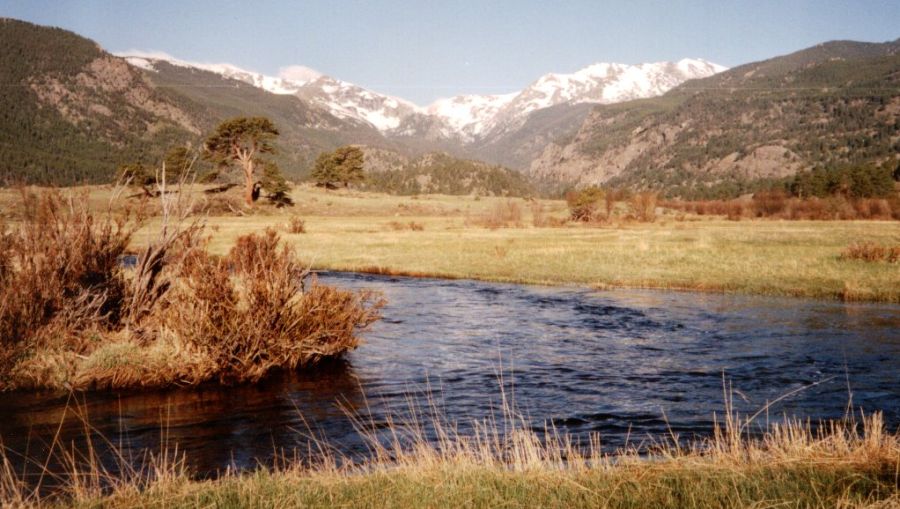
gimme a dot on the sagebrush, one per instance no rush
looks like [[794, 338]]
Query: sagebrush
[[72, 315]]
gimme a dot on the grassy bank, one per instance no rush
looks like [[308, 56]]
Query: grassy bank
[[477, 237], [458, 237], [72, 317], [792, 465]]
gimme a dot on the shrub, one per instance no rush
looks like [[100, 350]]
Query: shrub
[[769, 203], [538, 217], [70, 317], [251, 313], [505, 214], [583, 204], [296, 225], [614, 195], [643, 206], [871, 252], [62, 263], [776, 204], [60, 276]]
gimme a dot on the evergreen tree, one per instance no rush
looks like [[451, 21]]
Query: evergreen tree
[[274, 184], [325, 171], [341, 167], [242, 140], [177, 164]]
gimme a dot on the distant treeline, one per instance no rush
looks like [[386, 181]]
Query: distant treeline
[[852, 181], [866, 181], [846, 192], [443, 174]]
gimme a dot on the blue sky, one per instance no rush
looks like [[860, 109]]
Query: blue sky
[[422, 50]]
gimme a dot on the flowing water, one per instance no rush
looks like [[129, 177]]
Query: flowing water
[[627, 364]]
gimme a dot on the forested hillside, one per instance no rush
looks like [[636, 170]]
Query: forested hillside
[[440, 173], [72, 113], [834, 104], [69, 112]]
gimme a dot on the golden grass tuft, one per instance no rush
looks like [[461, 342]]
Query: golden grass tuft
[[852, 463], [71, 317], [413, 226], [871, 252], [295, 225], [504, 214]]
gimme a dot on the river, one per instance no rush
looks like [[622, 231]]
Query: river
[[629, 365]]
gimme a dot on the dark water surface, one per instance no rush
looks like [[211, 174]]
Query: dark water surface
[[590, 361]]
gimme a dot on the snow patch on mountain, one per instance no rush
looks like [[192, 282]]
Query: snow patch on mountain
[[466, 117], [602, 83], [475, 116], [340, 98], [469, 114], [298, 74]]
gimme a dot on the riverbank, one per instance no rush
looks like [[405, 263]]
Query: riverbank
[[469, 237], [837, 465], [73, 318]]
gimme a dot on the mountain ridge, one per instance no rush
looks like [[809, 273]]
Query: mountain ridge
[[466, 118], [833, 104]]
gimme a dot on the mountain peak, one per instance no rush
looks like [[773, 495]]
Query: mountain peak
[[466, 117], [299, 74]]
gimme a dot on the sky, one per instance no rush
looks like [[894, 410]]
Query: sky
[[422, 50]]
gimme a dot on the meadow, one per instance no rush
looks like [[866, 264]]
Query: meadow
[[850, 463], [496, 239]]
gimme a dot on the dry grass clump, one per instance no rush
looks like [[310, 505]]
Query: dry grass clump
[[72, 317], [504, 214], [778, 205], [871, 252], [585, 205], [250, 313], [295, 225], [60, 277], [423, 461], [643, 206], [397, 226], [538, 215]]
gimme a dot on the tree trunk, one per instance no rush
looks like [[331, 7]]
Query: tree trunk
[[248, 183]]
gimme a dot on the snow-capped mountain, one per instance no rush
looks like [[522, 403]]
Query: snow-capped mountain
[[275, 85], [475, 116], [346, 100], [466, 118], [470, 114], [340, 98]]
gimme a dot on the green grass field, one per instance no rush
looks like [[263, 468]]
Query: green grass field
[[369, 232], [454, 237]]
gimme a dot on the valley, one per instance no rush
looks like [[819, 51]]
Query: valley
[[552, 280]]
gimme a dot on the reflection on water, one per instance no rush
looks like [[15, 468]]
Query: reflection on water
[[606, 362]]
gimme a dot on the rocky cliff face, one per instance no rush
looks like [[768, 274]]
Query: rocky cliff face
[[108, 87]]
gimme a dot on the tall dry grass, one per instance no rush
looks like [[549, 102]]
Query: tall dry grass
[[643, 206], [504, 214], [871, 252], [61, 277], [778, 205], [422, 460], [251, 313], [71, 316]]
